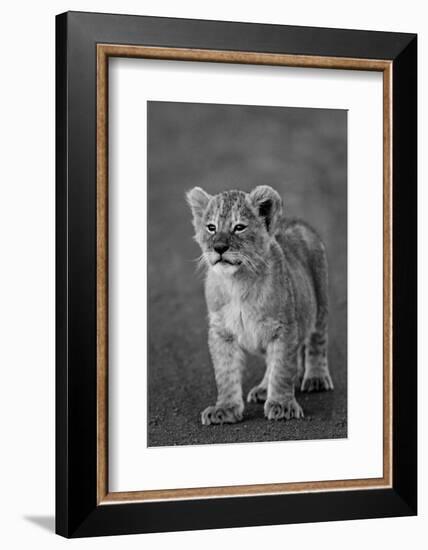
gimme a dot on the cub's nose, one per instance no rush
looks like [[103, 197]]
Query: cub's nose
[[221, 247]]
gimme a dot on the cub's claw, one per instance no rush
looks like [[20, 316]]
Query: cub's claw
[[288, 410], [257, 394], [317, 383], [222, 414]]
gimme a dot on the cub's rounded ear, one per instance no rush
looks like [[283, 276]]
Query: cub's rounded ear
[[198, 200], [268, 204]]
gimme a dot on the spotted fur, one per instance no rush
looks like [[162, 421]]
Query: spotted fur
[[266, 293]]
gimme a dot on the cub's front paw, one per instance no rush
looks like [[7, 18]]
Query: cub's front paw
[[317, 382], [275, 410], [257, 395], [222, 414]]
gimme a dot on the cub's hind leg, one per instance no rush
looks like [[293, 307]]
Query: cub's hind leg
[[258, 394], [317, 375]]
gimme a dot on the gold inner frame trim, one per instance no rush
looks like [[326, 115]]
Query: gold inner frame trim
[[104, 51]]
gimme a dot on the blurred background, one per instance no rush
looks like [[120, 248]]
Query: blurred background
[[302, 153]]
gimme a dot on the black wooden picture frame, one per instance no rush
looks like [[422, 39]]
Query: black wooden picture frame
[[81, 509]]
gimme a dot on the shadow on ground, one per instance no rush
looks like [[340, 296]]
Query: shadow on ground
[[45, 522], [301, 153]]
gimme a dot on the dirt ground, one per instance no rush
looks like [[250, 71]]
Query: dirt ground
[[301, 153]]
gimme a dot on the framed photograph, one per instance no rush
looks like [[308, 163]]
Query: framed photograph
[[236, 274]]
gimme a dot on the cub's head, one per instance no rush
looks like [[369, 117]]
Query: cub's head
[[234, 229]]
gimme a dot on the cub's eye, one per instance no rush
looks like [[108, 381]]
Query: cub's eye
[[239, 228], [211, 228]]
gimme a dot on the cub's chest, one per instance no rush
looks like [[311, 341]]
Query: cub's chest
[[245, 323]]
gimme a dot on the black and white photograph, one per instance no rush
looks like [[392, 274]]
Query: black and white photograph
[[247, 273], [212, 275]]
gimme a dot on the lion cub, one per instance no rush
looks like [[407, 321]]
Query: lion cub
[[266, 292]]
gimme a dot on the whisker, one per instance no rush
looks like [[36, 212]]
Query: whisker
[[201, 261], [248, 263], [199, 258]]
